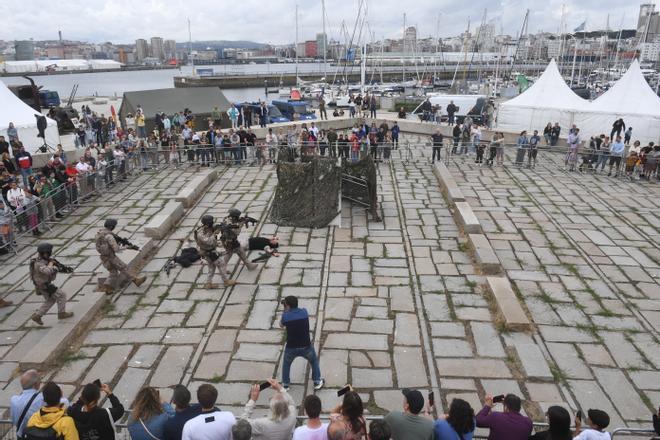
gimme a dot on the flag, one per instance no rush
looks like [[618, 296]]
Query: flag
[[523, 83], [581, 27]]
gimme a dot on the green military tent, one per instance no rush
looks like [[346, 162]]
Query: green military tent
[[199, 100]]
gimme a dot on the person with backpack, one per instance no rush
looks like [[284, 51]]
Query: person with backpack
[[51, 421], [94, 422]]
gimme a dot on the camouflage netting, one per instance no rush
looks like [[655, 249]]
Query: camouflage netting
[[365, 169], [307, 194]]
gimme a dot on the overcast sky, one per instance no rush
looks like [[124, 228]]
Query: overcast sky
[[272, 21]]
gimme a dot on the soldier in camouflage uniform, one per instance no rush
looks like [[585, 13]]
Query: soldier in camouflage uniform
[[230, 241], [43, 272], [107, 247], [208, 243]]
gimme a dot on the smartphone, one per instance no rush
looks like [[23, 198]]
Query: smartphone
[[97, 382], [264, 385], [343, 391], [498, 399], [431, 398]]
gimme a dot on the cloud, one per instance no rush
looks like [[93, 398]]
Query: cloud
[[122, 21]]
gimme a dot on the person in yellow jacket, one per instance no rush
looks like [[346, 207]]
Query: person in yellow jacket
[[52, 415]]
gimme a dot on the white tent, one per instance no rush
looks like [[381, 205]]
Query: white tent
[[630, 98], [12, 109], [549, 99]]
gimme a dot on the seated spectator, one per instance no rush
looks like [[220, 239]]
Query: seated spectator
[[346, 420], [597, 421], [282, 419], [409, 424], [506, 425], [92, 422], [314, 429], [51, 415], [147, 420], [242, 430], [211, 423], [379, 430], [184, 412], [458, 424], [559, 425]]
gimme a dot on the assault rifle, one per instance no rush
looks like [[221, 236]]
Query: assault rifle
[[247, 221], [125, 242], [61, 267]]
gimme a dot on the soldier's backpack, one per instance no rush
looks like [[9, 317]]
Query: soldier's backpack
[[102, 246]]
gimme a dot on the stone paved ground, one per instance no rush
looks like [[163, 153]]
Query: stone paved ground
[[393, 304]]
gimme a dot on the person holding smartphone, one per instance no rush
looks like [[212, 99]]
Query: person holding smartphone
[[92, 421], [508, 424]]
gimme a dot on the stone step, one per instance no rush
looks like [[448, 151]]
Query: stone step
[[485, 255], [507, 304], [466, 218], [46, 350], [447, 183], [161, 224], [195, 187]]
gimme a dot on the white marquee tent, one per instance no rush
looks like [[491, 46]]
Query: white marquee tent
[[549, 99], [630, 98], [12, 109]]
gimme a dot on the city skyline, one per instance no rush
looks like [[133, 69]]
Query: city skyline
[[274, 23]]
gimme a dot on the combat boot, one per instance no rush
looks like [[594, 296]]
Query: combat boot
[[210, 286], [4, 303], [229, 283], [107, 289], [251, 266], [64, 315], [139, 280], [36, 318]]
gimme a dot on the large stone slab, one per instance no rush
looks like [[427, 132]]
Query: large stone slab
[[409, 364], [161, 224], [60, 336], [466, 219], [357, 341], [448, 183], [485, 255], [507, 304], [195, 187], [469, 367]]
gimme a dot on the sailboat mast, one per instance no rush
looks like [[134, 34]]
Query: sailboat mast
[[296, 44], [325, 44], [192, 60], [403, 58]]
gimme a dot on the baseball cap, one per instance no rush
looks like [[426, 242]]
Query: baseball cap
[[290, 301], [415, 400], [599, 418]]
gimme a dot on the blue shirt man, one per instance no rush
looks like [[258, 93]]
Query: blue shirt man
[[298, 343], [30, 382]]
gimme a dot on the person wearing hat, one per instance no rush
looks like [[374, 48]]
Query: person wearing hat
[[229, 238], [107, 247], [298, 343], [43, 272], [410, 424], [597, 421], [208, 244]]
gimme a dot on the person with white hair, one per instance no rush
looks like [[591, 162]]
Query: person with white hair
[[24, 405], [280, 423]]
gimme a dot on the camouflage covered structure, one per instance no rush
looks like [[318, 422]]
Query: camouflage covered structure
[[360, 183], [307, 194]]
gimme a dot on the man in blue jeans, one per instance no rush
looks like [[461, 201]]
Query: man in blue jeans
[[298, 343]]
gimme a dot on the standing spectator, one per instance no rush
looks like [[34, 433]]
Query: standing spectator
[[8, 163], [456, 137], [233, 116], [372, 107], [574, 142], [604, 153], [410, 424], [12, 134], [32, 212], [147, 420], [24, 405], [547, 133], [141, 125], [597, 421], [616, 153], [627, 136], [6, 223], [184, 412], [436, 141], [24, 161], [346, 420], [617, 127], [263, 115], [559, 425], [554, 134], [395, 135], [533, 149], [51, 415], [459, 423], [94, 422], [211, 424], [451, 110], [242, 430], [314, 429], [521, 148], [506, 425], [323, 113], [4, 145], [379, 430], [247, 116], [298, 342], [280, 423]]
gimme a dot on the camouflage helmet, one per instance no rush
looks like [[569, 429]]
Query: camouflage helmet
[[207, 220], [233, 212], [45, 248], [110, 223]]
